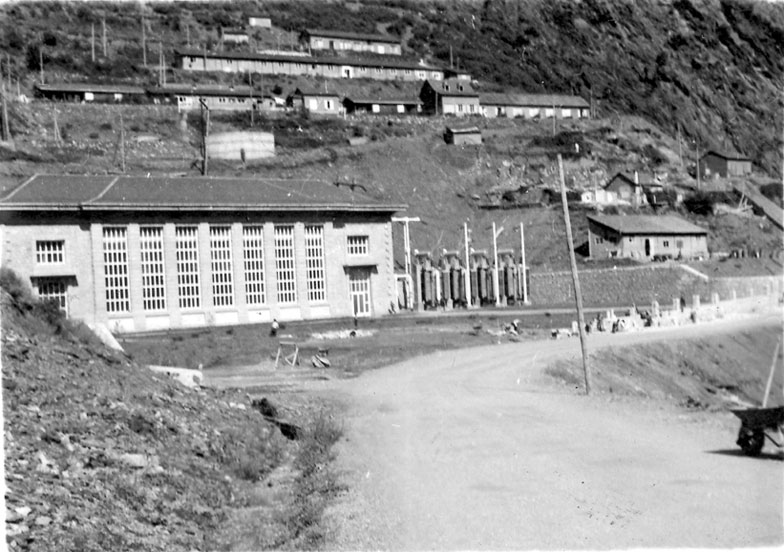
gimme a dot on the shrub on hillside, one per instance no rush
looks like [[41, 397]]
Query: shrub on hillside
[[699, 203]]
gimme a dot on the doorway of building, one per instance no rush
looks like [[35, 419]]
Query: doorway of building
[[359, 291], [647, 247]]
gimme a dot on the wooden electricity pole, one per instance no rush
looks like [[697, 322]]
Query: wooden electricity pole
[[6, 126], [144, 44], [92, 42], [41, 60], [103, 38], [122, 143], [680, 147], [56, 130], [250, 84], [205, 130], [575, 279]]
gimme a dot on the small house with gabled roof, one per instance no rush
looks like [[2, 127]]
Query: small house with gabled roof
[[645, 236], [716, 164], [449, 97], [153, 253], [316, 101], [634, 187]]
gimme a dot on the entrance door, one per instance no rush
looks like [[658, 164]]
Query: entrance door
[[647, 247], [359, 291]]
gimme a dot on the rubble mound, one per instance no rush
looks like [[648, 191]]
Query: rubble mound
[[103, 454]]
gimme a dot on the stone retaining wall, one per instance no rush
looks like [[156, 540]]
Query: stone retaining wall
[[626, 286]]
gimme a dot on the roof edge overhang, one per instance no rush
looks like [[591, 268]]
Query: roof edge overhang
[[201, 208]]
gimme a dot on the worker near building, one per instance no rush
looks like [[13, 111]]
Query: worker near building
[[274, 327]]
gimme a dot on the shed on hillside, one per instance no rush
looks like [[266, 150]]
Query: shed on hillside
[[632, 187], [315, 101], [462, 135], [715, 164], [260, 21], [234, 36], [645, 236]]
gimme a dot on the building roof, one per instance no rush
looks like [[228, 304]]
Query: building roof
[[82, 87], [308, 91], [233, 30], [391, 62], [534, 100], [385, 101], [644, 179], [629, 225], [204, 90], [353, 36], [196, 193], [452, 87], [463, 130], [727, 156]]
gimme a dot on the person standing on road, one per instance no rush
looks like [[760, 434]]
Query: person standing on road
[[274, 328]]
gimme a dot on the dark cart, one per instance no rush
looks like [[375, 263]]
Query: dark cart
[[755, 425]]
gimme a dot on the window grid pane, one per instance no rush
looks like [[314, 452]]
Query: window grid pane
[[253, 259], [314, 259], [187, 251], [357, 245], [284, 264], [50, 288], [153, 275], [115, 269], [221, 266], [50, 252]]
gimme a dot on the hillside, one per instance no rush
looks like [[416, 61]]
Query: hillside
[[710, 68], [713, 67], [102, 454]]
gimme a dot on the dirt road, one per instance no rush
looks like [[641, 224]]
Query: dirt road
[[475, 449]]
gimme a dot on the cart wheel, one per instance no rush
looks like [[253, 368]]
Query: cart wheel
[[751, 441]]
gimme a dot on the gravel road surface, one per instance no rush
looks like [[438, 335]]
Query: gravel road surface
[[476, 449]]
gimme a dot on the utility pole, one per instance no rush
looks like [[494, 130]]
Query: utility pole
[[8, 64], [122, 143], [103, 38], [205, 130], [575, 279], [699, 177], [92, 42], [553, 119], [680, 146], [407, 247], [522, 263], [593, 113], [6, 126], [188, 34], [144, 44], [467, 272], [56, 130], [41, 60], [496, 286], [250, 84]]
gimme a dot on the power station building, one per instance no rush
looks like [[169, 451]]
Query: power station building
[[141, 254]]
